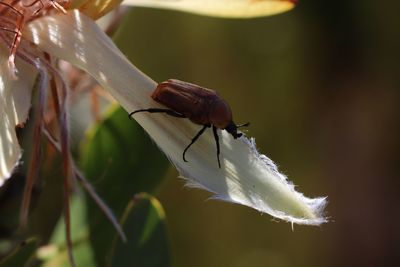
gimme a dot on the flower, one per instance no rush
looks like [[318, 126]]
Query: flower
[[15, 99], [221, 8], [246, 177]]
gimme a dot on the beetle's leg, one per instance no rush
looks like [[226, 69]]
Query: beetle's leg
[[159, 110], [194, 140], [216, 137], [242, 125]]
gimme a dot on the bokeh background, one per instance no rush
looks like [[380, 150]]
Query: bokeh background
[[320, 86]]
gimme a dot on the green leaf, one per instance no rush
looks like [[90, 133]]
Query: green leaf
[[120, 160], [55, 254], [58, 256], [78, 222], [21, 255], [144, 225]]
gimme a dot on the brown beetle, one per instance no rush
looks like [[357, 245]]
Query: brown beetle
[[200, 105]]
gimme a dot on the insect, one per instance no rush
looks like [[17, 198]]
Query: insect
[[200, 105], [14, 14]]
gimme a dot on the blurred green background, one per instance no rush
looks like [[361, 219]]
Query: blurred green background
[[320, 86]]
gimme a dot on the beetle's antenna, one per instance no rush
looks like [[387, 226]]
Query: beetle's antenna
[[243, 125], [216, 137], [194, 140]]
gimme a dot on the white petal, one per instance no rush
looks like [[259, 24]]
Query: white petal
[[15, 101], [220, 8], [246, 177]]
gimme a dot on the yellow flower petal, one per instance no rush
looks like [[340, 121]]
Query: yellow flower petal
[[96, 9], [221, 8], [246, 177]]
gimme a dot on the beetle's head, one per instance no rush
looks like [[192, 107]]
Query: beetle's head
[[232, 129]]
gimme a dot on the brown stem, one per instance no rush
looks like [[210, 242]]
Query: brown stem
[[60, 108], [89, 188], [33, 169], [84, 183]]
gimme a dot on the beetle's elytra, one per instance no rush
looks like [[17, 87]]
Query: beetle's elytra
[[200, 105]]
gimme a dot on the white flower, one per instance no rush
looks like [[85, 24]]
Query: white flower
[[246, 177], [15, 101]]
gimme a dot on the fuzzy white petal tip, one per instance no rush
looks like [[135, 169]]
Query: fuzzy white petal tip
[[245, 176], [252, 179]]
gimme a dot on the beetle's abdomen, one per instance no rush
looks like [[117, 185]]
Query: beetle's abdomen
[[191, 100]]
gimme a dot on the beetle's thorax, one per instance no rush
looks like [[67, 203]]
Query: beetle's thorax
[[220, 114]]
